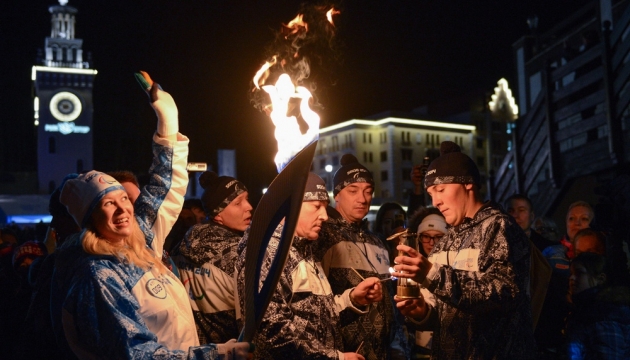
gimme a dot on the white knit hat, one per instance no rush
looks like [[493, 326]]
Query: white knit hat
[[432, 222], [81, 194]]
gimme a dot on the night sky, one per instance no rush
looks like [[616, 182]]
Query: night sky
[[394, 55]]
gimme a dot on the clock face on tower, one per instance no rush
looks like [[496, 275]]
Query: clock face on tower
[[65, 106]]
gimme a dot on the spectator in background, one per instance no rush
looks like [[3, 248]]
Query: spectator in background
[[430, 228], [599, 324], [37, 339], [129, 181], [433, 217], [521, 209], [206, 256], [25, 254], [417, 195], [579, 216], [549, 335], [589, 240]]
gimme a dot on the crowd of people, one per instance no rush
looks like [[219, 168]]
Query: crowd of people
[[124, 271]]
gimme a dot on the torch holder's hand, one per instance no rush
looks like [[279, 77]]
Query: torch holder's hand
[[414, 265], [163, 104], [415, 308]]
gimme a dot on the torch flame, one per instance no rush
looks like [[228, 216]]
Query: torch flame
[[262, 74], [330, 13], [391, 271], [288, 135], [295, 24]]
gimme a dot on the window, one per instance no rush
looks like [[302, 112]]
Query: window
[[371, 157], [322, 164], [406, 137], [480, 161], [406, 154], [335, 145], [335, 160], [418, 138], [383, 156], [364, 137], [365, 156], [370, 138], [384, 176], [479, 143]]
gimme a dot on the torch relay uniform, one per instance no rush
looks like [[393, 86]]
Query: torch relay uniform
[[107, 308], [479, 277], [341, 247], [205, 261], [302, 321]]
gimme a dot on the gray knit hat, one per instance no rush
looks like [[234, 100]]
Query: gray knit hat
[[81, 194], [452, 167]]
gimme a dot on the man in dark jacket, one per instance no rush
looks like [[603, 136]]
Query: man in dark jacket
[[349, 252], [478, 272]]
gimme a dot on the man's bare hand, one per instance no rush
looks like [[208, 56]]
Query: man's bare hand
[[367, 291]]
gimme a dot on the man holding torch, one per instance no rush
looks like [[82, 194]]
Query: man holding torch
[[302, 320]]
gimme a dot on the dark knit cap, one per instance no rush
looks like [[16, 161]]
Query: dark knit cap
[[219, 191], [315, 189], [452, 167], [350, 172]]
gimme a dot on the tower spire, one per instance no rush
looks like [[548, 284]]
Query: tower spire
[[62, 48]]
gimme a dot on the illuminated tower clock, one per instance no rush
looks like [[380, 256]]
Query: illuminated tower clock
[[63, 102]]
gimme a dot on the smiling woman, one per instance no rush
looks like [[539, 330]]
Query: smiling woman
[[111, 295]]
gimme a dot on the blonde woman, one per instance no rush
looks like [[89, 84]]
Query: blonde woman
[[111, 296]]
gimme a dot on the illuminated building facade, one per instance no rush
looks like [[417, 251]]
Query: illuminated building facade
[[63, 106], [389, 147]]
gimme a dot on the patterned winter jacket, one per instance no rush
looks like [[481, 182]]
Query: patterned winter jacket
[[205, 260], [105, 308], [342, 247], [303, 315], [479, 277]]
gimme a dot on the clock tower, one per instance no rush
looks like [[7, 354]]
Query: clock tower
[[63, 102]]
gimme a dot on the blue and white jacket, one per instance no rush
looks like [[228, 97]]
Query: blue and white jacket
[[105, 308]]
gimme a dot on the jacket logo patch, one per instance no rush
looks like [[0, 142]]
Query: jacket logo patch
[[156, 289]]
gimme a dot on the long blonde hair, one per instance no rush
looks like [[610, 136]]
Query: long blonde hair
[[134, 251]]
